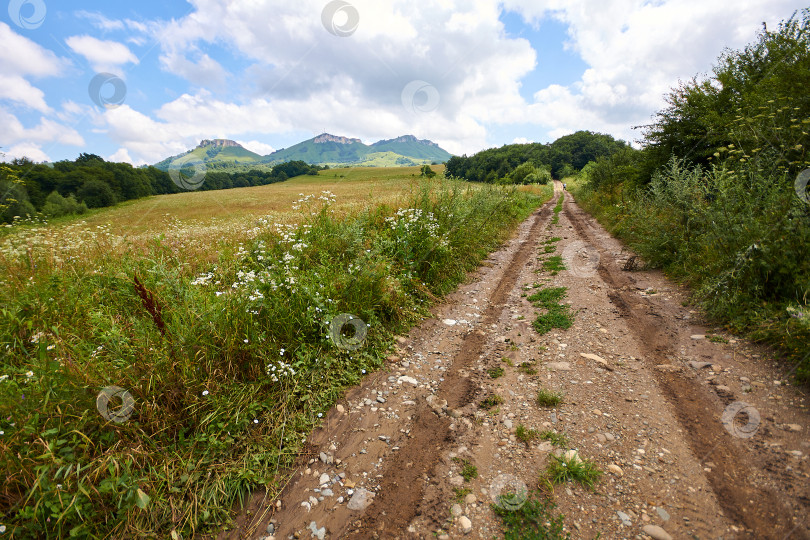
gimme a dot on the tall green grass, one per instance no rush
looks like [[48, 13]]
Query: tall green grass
[[230, 364]]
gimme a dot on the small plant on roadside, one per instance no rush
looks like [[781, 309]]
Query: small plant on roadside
[[533, 520], [468, 470], [526, 435], [507, 361], [554, 265], [527, 368], [553, 239], [495, 372], [557, 315], [560, 440], [460, 493], [547, 398], [491, 401], [549, 249], [571, 468], [717, 339]]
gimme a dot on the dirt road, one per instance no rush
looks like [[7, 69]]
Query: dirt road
[[696, 432]]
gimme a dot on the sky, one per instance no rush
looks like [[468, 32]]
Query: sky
[[141, 81]]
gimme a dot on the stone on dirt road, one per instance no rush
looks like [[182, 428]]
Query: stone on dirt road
[[361, 499], [408, 380], [559, 366], [465, 523], [656, 532]]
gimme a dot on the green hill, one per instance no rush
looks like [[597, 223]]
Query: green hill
[[325, 149]]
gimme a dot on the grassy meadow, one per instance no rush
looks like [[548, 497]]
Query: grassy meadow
[[162, 359]]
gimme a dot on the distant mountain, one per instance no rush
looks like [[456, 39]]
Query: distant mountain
[[221, 151], [325, 149]]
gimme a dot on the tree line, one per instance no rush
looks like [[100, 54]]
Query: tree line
[[73, 187], [534, 162]]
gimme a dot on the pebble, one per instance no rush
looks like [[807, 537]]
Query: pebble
[[662, 513], [469, 499], [361, 499], [327, 492], [456, 510], [380, 399], [271, 529], [324, 479], [507, 424], [656, 532], [341, 409], [409, 380], [624, 517], [699, 365], [465, 523], [320, 534], [559, 366], [615, 469], [697, 337], [793, 427]]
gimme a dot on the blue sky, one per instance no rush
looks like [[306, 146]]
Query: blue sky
[[467, 74]]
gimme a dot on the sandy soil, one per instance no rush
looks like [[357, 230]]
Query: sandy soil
[[698, 433]]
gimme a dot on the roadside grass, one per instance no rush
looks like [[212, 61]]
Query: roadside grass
[[228, 345], [528, 368], [548, 398], [558, 209], [468, 470], [526, 435], [533, 520], [491, 401], [554, 264], [560, 440], [495, 372], [571, 468], [556, 315]]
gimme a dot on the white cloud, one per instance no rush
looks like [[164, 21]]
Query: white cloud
[[19, 90], [103, 55], [100, 21], [19, 56], [47, 131], [121, 156], [31, 151], [257, 147], [637, 51]]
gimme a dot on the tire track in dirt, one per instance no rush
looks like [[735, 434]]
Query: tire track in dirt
[[757, 505], [399, 502]]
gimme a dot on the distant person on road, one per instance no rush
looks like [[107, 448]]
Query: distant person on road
[[565, 187]]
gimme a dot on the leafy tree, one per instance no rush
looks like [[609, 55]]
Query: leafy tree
[[96, 194], [427, 171]]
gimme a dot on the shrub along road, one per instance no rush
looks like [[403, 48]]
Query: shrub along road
[[631, 413]]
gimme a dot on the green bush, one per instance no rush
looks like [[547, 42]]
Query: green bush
[[57, 206]]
